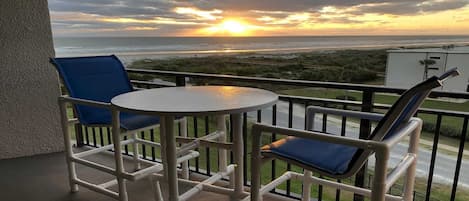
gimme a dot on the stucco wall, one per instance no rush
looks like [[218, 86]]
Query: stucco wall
[[29, 121]]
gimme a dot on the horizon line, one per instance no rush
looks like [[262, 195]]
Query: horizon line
[[273, 36]]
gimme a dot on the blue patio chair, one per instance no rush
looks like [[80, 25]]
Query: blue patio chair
[[91, 83], [340, 157]]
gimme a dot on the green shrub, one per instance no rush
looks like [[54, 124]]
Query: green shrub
[[345, 97], [444, 130]]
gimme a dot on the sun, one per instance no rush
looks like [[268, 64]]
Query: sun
[[230, 27], [233, 26]]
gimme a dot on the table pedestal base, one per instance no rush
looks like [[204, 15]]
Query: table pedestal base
[[234, 171]]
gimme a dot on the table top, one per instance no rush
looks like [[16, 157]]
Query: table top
[[195, 100]]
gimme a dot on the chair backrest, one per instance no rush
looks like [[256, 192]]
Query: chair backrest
[[399, 113], [97, 78], [403, 109]]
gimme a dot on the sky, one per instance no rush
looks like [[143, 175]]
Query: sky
[[258, 17]]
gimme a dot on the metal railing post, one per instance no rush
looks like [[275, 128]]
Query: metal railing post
[[180, 81], [79, 135], [365, 130], [78, 132]]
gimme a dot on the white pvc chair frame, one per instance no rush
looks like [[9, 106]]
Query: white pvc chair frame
[[121, 174], [382, 180]]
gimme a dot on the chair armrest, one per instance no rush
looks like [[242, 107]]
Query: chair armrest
[[79, 101], [404, 131], [414, 126], [258, 128], [311, 110]]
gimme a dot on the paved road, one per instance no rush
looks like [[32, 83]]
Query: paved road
[[444, 164]]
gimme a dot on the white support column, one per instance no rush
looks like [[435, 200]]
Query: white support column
[[171, 164], [238, 153], [118, 155], [72, 174], [29, 84], [185, 164]]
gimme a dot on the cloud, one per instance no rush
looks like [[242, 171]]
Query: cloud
[[438, 5], [114, 7], [205, 8], [199, 14], [411, 7], [164, 16]]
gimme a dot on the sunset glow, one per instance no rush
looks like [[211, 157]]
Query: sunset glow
[[228, 18], [233, 27], [228, 27]]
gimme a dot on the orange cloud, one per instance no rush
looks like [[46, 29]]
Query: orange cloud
[[200, 14]]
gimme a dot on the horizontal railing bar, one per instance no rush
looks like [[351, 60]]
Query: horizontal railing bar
[[319, 100], [323, 100], [301, 99], [151, 83], [335, 85]]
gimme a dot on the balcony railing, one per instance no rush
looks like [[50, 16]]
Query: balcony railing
[[289, 112]]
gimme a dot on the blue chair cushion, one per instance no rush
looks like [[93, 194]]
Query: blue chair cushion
[[128, 121], [328, 157]]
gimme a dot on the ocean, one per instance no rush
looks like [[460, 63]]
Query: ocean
[[131, 48]]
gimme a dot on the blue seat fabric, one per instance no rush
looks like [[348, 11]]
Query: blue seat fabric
[[99, 78], [328, 157], [405, 115]]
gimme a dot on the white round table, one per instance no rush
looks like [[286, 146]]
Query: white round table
[[196, 101]]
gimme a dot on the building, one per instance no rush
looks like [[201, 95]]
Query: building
[[406, 67]]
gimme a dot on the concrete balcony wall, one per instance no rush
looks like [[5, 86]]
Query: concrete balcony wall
[[29, 115]]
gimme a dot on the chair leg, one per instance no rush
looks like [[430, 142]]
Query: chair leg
[[306, 195], [72, 174], [156, 188], [135, 150], [185, 164], [378, 190], [238, 153], [118, 156], [165, 194], [408, 193]]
